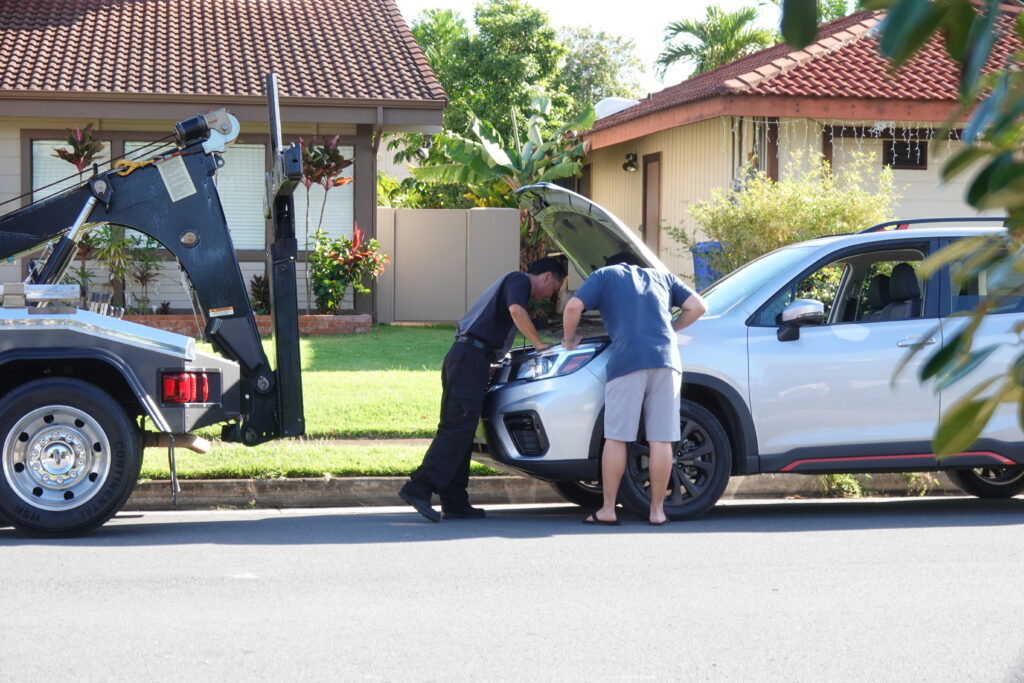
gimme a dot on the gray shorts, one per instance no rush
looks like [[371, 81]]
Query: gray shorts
[[656, 392]]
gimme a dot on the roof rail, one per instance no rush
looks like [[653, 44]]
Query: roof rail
[[904, 224]]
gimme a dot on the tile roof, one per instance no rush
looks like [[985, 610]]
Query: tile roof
[[359, 49], [842, 62]]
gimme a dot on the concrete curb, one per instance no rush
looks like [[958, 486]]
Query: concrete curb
[[201, 494]]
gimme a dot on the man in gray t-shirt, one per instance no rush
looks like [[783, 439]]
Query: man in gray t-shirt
[[643, 372]]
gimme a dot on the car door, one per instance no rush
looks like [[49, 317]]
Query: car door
[[830, 399], [959, 296]]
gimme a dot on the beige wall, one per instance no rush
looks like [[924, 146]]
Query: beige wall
[[694, 160], [442, 260], [10, 163]]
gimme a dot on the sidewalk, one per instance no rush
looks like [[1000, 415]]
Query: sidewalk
[[381, 491]]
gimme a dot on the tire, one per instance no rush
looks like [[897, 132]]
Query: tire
[[701, 465], [989, 482], [70, 457], [586, 494]]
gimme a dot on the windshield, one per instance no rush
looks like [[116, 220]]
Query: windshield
[[738, 285]]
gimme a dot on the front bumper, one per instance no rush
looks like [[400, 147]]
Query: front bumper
[[549, 429]]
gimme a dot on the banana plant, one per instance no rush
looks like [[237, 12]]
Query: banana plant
[[484, 161]]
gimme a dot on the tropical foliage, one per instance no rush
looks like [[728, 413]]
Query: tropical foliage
[[83, 148], [721, 37], [597, 65], [343, 262], [494, 168]]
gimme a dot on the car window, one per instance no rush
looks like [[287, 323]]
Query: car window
[[751, 278], [967, 291], [821, 285], [857, 288]]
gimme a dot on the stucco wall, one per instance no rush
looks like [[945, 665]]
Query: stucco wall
[[442, 260]]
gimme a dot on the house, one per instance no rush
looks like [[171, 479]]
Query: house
[[133, 68], [835, 96]]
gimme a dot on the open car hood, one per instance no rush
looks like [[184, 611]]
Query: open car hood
[[587, 234]]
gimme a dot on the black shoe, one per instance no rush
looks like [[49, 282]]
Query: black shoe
[[422, 505], [468, 512]]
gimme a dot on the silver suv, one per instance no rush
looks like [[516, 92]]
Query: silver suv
[[791, 369]]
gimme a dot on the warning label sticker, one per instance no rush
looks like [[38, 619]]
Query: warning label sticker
[[220, 312], [176, 178]]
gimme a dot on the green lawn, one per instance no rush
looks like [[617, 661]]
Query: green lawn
[[385, 384], [291, 458]]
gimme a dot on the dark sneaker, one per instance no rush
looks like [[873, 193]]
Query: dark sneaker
[[468, 512], [422, 505]]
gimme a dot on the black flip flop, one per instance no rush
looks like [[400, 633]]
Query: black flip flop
[[661, 523], [593, 519]]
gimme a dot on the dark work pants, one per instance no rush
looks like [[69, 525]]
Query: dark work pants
[[445, 467]]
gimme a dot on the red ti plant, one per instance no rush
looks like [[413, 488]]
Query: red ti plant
[[84, 148], [322, 164]]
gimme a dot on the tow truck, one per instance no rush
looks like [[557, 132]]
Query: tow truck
[[82, 393]]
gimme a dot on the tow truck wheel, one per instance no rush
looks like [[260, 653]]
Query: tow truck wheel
[[70, 459]]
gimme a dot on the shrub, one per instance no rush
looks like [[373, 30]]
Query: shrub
[[259, 293], [762, 215], [339, 263]]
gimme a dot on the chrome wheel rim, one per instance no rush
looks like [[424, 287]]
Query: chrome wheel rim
[[56, 458]]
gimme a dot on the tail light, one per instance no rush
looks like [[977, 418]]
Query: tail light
[[185, 387]]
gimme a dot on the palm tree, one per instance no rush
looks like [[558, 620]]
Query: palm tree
[[721, 37]]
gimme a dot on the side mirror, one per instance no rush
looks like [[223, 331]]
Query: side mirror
[[800, 313]]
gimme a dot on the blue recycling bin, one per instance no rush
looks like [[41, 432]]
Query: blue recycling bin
[[703, 273]]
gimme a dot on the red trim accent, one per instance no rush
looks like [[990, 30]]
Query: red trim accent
[[995, 456], [903, 226]]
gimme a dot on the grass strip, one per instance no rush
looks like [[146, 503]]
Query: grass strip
[[290, 458]]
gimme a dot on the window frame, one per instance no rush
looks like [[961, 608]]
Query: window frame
[[930, 291]]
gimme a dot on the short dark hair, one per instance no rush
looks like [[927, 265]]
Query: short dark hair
[[547, 265], [627, 257]]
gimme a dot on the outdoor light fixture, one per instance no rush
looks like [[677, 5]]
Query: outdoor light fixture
[[630, 165]]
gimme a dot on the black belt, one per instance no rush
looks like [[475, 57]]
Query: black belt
[[473, 341]]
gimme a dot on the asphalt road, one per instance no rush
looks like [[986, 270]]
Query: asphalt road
[[890, 590]]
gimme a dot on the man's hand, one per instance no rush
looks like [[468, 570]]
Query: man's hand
[[570, 344], [543, 346]]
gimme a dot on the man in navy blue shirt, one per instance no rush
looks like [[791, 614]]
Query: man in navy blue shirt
[[484, 335], [643, 372]]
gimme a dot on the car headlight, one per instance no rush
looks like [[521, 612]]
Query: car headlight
[[554, 362]]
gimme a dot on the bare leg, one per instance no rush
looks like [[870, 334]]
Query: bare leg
[[660, 467], [613, 464]]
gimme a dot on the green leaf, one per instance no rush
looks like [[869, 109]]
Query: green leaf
[[979, 46], [957, 27], [962, 160], [961, 426], [952, 252], [563, 170], [799, 22], [963, 368], [945, 357], [958, 429], [907, 27], [980, 187]]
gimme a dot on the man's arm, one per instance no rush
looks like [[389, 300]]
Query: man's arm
[[693, 307], [570, 321], [522, 321]]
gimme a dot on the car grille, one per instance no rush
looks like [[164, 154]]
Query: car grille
[[527, 433]]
